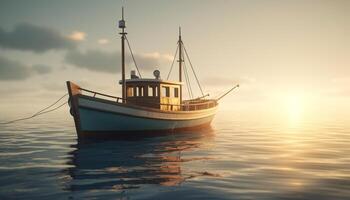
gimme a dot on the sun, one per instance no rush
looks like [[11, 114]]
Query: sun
[[295, 106]]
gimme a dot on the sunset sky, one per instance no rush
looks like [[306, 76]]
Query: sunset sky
[[290, 57]]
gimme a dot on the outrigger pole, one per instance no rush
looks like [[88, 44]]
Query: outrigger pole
[[123, 36], [236, 86]]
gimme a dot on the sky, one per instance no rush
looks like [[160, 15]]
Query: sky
[[290, 57]]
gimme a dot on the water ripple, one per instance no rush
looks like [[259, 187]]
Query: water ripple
[[235, 160]]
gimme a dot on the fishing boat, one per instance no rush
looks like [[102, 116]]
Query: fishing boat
[[147, 105]]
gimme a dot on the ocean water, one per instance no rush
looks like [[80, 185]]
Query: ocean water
[[237, 158]]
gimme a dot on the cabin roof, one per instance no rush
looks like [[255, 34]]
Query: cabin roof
[[150, 80]]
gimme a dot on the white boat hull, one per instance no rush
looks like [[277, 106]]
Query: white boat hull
[[93, 120], [98, 117]]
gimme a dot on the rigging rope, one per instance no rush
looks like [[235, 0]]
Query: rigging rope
[[172, 64], [41, 112], [53, 109], [195, 75], [188, 83], [51, 104], [132, 55]]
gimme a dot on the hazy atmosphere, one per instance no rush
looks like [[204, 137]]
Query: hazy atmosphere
[[283, 134], [291, 58]]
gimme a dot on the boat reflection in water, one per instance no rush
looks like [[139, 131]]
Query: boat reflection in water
[[126, 164]]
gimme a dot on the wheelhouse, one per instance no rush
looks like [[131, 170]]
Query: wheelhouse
[[153, 93]]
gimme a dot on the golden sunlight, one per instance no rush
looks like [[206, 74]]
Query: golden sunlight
[[294, 105]]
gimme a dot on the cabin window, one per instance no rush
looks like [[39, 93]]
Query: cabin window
[[141, 91], [166, 91], [150, 91], [176, 92], [155, 91], [137, 91], [130, 92]]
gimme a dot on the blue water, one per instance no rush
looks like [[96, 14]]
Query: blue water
[[235, 159]]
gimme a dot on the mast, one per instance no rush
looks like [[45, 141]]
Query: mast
[[180, 62], [123, 35]]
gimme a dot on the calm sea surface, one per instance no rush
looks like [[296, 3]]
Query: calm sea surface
[[235, 159]]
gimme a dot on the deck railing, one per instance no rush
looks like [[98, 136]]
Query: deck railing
[[191, 106], [188, 105], [117, 99]]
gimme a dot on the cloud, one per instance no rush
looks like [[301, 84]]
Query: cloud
[[28, 37], [228, 81], [101, 61], [103, 41], [94, 60], [159, 56], [147, 62], [77, 36], [14, 70], [41, 69]]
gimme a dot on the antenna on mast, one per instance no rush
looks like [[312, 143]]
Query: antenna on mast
[[122, 13]]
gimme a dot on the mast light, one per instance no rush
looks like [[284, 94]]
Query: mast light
[[122, 23]]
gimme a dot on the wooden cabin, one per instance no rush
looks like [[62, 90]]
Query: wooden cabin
[[153, 93]]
